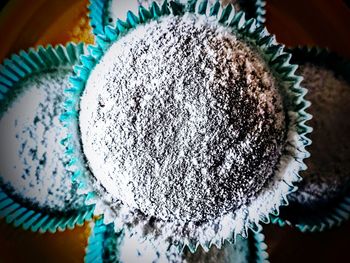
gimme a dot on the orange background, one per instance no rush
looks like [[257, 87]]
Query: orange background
[[27, 23]]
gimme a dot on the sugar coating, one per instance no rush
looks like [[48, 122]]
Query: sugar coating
[[229, 253], [118, 9], [328, 174], [131, 250], [181, 120], [32, 163]]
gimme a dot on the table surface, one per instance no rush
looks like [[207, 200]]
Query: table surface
[[28, 23]]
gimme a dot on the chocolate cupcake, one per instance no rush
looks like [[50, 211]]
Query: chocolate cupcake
[[37, 192], [191, 123], [322, 199], [107, 12]]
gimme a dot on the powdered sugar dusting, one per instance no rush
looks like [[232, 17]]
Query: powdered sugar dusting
[[185, 122], [238, 253], [131, 250], [32, 159], [118, 9]]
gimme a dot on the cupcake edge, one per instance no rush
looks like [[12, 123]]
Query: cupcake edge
[[338, 212], [14, 70]]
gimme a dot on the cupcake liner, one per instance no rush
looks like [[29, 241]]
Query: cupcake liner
[[13, 71], [99, 12], [97, 9], [260, 13], [282, 184], [254, 9], [104, 244], [338, 211]]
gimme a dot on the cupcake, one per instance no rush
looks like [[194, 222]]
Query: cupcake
[[105, 245], [36, 189], [107, 12], [191, 123], [322, 200]]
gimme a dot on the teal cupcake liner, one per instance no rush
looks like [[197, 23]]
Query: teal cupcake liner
[[335, 213], [254, 9], [99, 12], [13, 71], [260, 12], [104, 245], [275, 194], [97, 9]]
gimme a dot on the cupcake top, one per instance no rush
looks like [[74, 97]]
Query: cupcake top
[[192, 125], [32, 163], [181, 120], [328, 174]]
